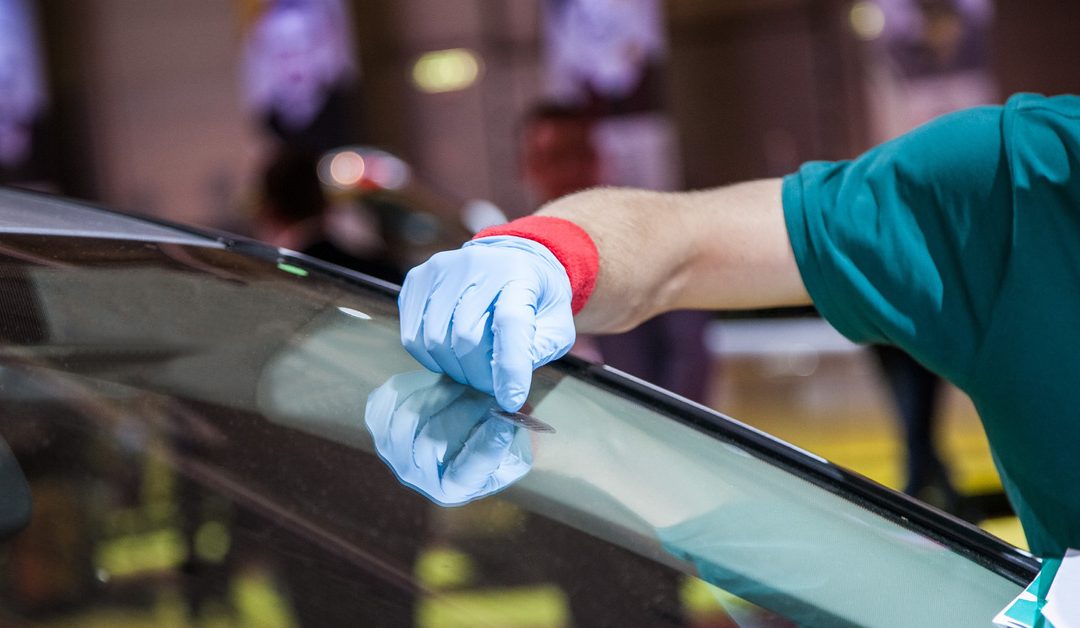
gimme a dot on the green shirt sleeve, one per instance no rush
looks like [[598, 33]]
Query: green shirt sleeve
[[905, 244], [958, 242]]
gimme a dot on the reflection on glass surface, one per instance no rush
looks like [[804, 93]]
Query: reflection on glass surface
[[445, 439], [193, 424]]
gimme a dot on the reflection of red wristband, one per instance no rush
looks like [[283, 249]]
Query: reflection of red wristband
[[569, 243]]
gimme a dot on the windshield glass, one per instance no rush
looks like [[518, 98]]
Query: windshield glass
[[189, 420]]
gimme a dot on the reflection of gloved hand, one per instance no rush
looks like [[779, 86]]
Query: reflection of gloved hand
[[440, 438], [488, 314]]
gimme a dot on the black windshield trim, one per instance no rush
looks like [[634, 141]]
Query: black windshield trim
[[956, 534]]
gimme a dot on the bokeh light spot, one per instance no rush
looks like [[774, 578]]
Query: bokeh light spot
[[347, 168], [867, 20], [446, 70]]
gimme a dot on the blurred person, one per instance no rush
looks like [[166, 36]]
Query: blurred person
[[559, 158], [300, 73], [605, 54], [294, 214], [23, 99], [932, 58], [609, 56], [955, 242], [916, 393]]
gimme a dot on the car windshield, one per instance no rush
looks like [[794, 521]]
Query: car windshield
[[197, 422]]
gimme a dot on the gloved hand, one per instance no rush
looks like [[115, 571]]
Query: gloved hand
[[488, 314], [441, 438]]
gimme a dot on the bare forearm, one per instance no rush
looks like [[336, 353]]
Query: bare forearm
[[725, 248]]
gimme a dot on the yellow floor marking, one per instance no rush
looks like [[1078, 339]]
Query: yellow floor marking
[[540, 606], [843, 413]]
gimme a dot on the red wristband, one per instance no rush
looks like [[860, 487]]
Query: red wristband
[[570, 244]]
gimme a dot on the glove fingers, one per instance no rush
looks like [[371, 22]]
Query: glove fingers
[[413, 303], [429, 447], [449, 415], [438, 330], [471, 341], [513, 327], [555, 334], [481, 455], [419, 439], [515, 464]]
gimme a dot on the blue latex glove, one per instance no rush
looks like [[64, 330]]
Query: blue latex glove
[[489, 314], [441, 438]]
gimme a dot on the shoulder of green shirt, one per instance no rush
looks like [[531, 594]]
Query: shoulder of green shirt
[[1067, 105]]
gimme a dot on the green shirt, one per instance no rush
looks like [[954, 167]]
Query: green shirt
[[960, 243]]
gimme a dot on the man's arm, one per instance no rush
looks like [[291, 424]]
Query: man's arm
[[906, 245], [725, 248], [490, 313]]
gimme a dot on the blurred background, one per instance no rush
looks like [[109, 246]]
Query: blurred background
[[146, 105], [375, 132]]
